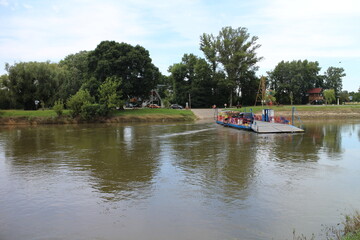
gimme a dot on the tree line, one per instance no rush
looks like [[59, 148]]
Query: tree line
[[114, 72]]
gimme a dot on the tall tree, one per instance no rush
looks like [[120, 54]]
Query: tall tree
[[208, 44], [30, 81], [5, 100], [75, 68], [291, 80], [192, 81], [333, 79], [235, 50], [132, 64]]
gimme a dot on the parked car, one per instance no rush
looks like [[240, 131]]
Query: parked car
[[153, 106], [176, 106], [133, 105]]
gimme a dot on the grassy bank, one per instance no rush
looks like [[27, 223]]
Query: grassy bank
[[13, 117], [312, 108], [10, 117], [311, 111]]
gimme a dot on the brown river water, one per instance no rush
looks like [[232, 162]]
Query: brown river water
[[176, 181]]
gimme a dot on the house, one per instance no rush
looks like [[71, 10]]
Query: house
[[315, 96]]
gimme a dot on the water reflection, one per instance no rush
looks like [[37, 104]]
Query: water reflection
[[198, 181], [216, 161], [121, 161], [319, 137]]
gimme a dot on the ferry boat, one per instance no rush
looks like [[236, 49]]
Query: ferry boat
[[264, 123]]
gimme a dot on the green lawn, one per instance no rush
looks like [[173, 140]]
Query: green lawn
[[29, 113], [127, 112], [187, 113], [304, 108], [155, 111]]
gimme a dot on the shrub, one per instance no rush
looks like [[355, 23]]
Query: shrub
[[110, 94], [76, 102], [89, 111], [58, 107]]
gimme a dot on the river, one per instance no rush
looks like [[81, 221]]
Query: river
[[176, 181]]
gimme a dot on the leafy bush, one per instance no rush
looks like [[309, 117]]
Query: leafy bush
[[58, 107], [329, 95], [91, 111], [110, 93], [76, 102]]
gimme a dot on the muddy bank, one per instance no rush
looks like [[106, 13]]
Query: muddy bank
[[307, 115], [68, 120], [200, 114], [329, 114]]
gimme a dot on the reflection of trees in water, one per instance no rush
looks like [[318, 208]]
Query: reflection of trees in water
[[120, 160], [288, 147], [305, 146], [332, 140], [220, 162]]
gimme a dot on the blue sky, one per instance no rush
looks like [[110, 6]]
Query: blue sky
[[326, 31]]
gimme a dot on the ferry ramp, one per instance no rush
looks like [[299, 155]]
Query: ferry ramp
[[204, 113], [269, 127]]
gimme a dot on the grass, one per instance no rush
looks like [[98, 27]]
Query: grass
[[155, 111], [146, 114], [300, 108], [352, 227], [350, 230], [132, 112], [29, 113], [159, 114]]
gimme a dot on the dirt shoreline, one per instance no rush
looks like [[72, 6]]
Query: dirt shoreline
[[307, 115], [200, 114], [68, 120], [203, 114]]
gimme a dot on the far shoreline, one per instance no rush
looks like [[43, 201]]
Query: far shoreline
[[345, 112]]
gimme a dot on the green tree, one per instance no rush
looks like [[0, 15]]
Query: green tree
[[235, 50], [208, 45], [333, 79], [291, 80], [355, 96], [344, 96], [132, 64], [192, 80], [5, 100], [110, 93], [329, 95], [30, 81], [77, 101], [75, 69]]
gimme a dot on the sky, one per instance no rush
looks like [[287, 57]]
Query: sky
[[325, 31]]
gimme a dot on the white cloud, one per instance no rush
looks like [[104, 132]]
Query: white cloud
[[307, 29], [287, 30], [68, 29], [4, 3], [27, 6]]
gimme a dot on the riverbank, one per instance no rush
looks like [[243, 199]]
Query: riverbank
[[319, 112], [305, 112], [21, 117]]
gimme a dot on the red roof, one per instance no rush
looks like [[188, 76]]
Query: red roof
[[315, 90]]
